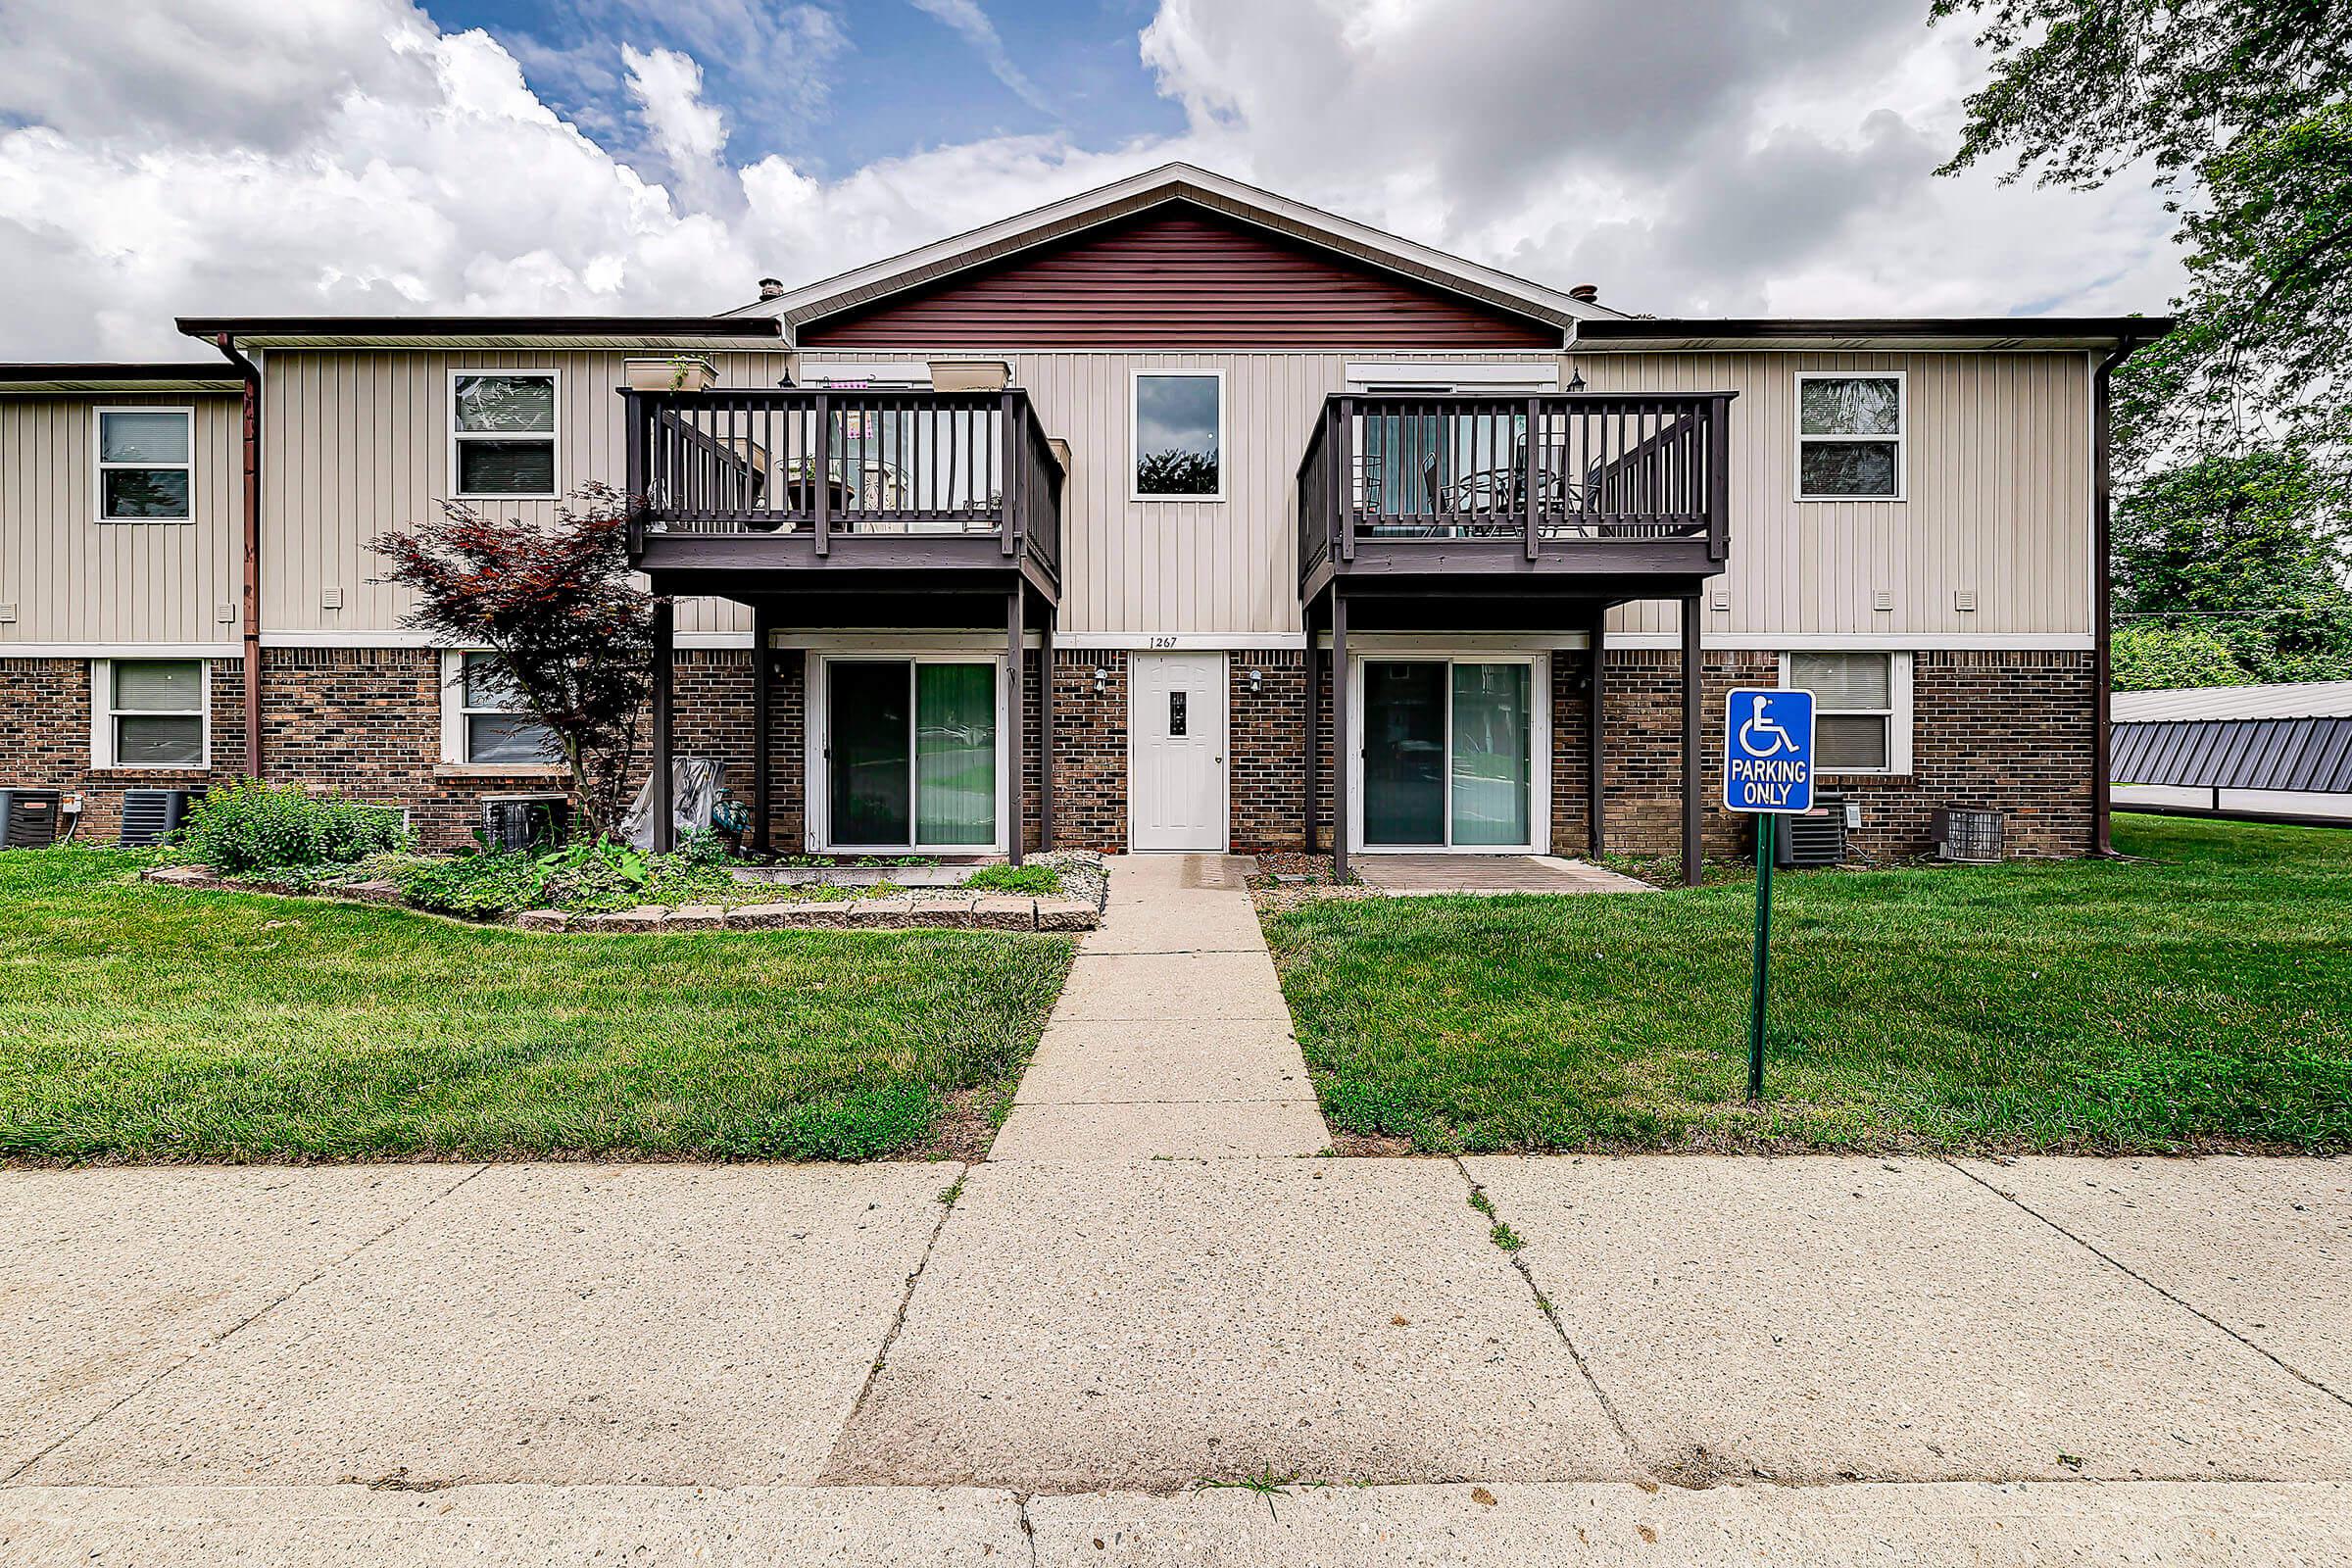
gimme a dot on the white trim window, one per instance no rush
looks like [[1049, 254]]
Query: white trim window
[[502, 436], [906, 754], [146, 464], [150, 715], [1852, 429], [1861, 709], [483, 722], [1176, 435]]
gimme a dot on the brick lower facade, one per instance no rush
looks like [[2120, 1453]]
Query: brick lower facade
[[2006, 731]]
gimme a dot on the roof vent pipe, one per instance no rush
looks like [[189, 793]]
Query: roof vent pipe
[[772, 288], [1588, 292]]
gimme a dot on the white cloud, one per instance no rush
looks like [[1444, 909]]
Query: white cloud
[[1686, 159], [974, 27]]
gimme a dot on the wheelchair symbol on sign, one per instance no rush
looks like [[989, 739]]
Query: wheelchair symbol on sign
[[1760, 722]]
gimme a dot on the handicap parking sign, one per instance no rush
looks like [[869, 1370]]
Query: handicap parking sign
[[1768, 752]]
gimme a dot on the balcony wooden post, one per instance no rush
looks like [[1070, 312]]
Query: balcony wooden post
[[1527, 477], [665, 822], [1045, 734], [1342, 458], [762, 721], [1343, 753], [1596, 715], [1719, 479], [820, 478], [1011, 441], [1016, 720], [1691, 672]]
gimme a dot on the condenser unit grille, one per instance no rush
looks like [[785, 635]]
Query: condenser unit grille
[[28, 818], [1815, 839], [150, 816]]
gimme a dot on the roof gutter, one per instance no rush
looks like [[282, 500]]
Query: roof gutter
[[250, 409]]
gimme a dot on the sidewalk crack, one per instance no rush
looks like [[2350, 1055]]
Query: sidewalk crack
[[2131, 1273], [250, 1318], [866, 1391], [1559, 1325]]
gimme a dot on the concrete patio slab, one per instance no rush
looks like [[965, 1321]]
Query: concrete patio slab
[[1172, 985], [111, 1278], [2088, 1524], [1155, 1323], [505, 1527], [1489, 874], [1167, 1130], [2261, 1245], [559, 1323], [1109, 1061], [1817, 1319]]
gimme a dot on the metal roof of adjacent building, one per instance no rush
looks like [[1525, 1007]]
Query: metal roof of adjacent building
[[2317, 699], [2235, 753]]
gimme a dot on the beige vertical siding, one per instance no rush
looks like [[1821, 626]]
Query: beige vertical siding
[[74, 579], [360, 443], [1997, 498]]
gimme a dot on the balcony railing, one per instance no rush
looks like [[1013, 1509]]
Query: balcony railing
[[1557, 473], [832, 469]]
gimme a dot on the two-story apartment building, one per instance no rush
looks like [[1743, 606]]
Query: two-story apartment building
[[1175, 516]]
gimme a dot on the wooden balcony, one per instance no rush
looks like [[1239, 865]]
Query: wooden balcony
[[759, 492], [1586, 495]]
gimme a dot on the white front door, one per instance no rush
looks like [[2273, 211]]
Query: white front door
[[1176, 752]]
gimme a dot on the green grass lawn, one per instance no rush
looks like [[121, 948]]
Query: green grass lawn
[[153, 1023], [2200, 997]]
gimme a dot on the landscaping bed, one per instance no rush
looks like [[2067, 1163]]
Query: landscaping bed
[[142, 1023], [2198, 997]]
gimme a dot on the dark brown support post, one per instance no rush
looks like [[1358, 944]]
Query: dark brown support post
[[1017, 720], [1314, 732], [1009, 444], [664, 640], [249, 607], [1343, 459], [820, 482], [763, 721], [1526, 474], [1045, 735], [1595, 709], [1690, 766], [1341, 753]]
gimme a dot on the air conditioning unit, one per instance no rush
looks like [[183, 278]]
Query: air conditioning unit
[[28, 818], [525, 821], [1975, 838], [1817, 838], [150, 816]]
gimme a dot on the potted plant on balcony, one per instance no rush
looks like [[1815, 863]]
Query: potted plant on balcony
[[680, 372]]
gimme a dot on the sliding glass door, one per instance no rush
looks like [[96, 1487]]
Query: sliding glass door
[[1448, 753], [910, 753]]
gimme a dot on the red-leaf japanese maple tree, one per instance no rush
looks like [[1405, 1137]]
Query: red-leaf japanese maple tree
[[555, 605]]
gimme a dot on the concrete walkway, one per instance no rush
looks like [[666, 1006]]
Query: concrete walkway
[[1692, 1360], [1490, 874], [1171, 1039]]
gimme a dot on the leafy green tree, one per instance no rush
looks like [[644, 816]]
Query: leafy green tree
[[2238, 108], [1176, 472], [2157, 655], [2249, 550]]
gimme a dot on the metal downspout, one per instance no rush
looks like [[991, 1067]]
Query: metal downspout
[[251, 593]]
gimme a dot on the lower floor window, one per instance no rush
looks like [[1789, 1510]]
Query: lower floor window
[[911, 753], [497, 728], [153, 712], [1861, 708], [1448, 749]]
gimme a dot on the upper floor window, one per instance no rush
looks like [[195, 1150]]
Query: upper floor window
[[1176, 434], [492, 724], [143, 464], [503, 434], [1861, 709], [150, 712], [1849, 438]]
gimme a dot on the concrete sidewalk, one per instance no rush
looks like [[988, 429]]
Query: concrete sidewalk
[[1855, 1360], [1171, 1039]]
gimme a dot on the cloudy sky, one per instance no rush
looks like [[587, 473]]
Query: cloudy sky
[[1705, 157]]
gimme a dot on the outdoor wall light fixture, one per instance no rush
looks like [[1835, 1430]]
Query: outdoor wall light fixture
[[1102, 679], [1575, 380], [1257, 681]]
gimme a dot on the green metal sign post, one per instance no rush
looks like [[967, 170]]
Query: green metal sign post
[[1767, 772]]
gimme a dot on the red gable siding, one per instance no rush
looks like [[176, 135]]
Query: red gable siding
[[1178, 277]]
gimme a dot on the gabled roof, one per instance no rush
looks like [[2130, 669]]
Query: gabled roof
[[1172, 182]]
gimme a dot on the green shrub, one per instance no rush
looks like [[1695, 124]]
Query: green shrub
[[1038, 880], [475, 887], [239, 827]]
